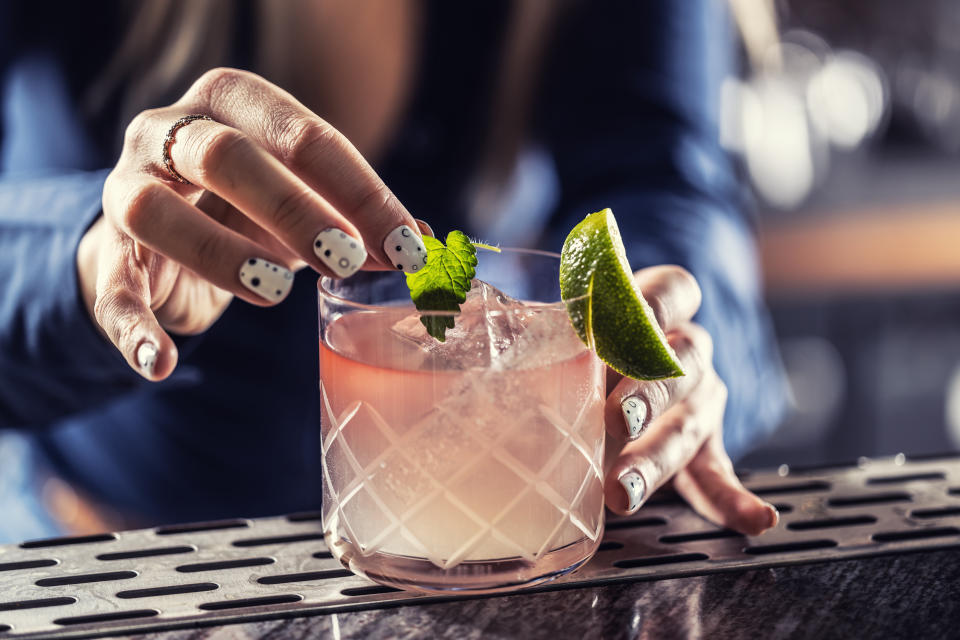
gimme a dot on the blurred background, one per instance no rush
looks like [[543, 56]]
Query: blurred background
[[847, 118]]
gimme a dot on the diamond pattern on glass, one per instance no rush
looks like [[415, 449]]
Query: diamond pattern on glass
[[516, 527], [489, 488], [588, 517], [454, 486], [590, 415], [569, 473], [363, 435], [341, 474], [445, 529], [538, 441], [367, 519], [439, 445], [400, 484]]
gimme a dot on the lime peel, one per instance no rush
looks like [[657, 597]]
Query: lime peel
[[605, 305]]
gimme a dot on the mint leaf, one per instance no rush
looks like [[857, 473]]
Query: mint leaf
[[442, 283]]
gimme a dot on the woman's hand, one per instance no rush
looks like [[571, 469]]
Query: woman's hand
[[274, 188], [673, 429]]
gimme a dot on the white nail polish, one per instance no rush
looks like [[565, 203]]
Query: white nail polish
[[266, 279], [147, 357], [340, 251], [635, 487], [405, 249], [634, 413]]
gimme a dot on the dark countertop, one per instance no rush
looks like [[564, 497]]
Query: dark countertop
[[895, 596]]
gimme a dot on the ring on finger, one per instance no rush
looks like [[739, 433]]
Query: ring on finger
[[168, 141]]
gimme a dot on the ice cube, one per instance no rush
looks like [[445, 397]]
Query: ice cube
[[547, 338], [489, 323]]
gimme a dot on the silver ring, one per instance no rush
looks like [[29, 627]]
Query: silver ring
[[168, 142]]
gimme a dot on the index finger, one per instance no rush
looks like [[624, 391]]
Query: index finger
[[320, 155], [671, 291]]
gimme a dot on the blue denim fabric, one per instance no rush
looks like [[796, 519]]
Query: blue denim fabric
[[22, 515]]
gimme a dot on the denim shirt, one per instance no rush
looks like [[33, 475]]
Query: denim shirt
[[625, 117]]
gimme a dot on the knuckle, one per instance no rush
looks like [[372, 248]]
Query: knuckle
[[690, 430], [684, 278], [292, 210], [141, 129], [698, 335], [138, 206], [102, 309], [302, 141], [658, 397], [683, 341], [694, 344], [210, 249], [216, 82], [111, 309], [218, 148], [378, 199], [678, 272]]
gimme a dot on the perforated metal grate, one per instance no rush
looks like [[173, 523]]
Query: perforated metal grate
[[229, 571]]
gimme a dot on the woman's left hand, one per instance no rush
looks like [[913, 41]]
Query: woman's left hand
[[673, 429]]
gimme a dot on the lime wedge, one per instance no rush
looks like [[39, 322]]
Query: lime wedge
[[606, 307]]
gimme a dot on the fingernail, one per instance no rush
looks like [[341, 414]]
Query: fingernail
[[266, 279], [635, 487], [147, 357], [774, 514], [343, 253], [405, 249], [425, 228], [634, 412]]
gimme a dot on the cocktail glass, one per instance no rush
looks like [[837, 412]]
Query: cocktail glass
[[469, 465]]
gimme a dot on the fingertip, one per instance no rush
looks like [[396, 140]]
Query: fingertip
[[268, 280], [405, 250], [425, 229], [147, 353], [614, 497], [625, 492], [755, 516], [156, 357], [634, 414], [773, 515]]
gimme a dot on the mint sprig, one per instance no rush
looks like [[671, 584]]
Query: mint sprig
[[443, 282]]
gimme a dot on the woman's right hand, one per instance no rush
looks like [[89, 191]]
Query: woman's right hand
[[274, 189]]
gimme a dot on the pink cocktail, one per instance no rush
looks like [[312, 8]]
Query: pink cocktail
[[473, 464]]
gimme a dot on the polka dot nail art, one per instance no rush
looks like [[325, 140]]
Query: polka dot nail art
[[147, 357], [634, 413], [267, 280], [635, 487], [405, 249], [340, 251]]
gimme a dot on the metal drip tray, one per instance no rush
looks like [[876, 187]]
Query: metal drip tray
[[231, 571]]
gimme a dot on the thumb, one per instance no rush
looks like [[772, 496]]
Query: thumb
[[122, 309]]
